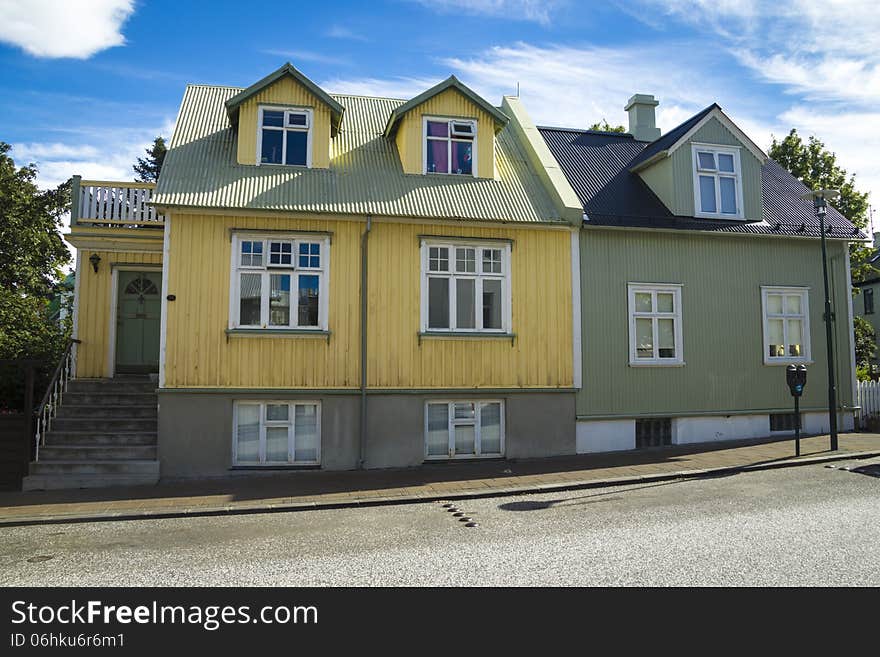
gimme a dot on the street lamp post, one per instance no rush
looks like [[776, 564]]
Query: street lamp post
[[819, 197]]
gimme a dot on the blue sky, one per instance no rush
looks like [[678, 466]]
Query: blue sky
[[86, 84]]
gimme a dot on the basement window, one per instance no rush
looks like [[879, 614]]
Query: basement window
[[783, 421], [464, 429], [276, 433], [653, 432]]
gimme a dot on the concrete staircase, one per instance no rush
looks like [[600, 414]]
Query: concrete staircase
[[104, 435]]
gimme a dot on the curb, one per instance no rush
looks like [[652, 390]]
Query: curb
[[228, 510]]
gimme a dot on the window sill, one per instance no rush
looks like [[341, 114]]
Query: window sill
[[787, 361], [658, 363], [455, 335], [719, 217], [278, 333], [279, 466]]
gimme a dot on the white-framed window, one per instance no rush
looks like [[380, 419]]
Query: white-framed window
[[655, 324], [465, 287], [450, 146], [464, 429], [786, 315], [718, 190], [284, 136], [279, 281], [276, 433]]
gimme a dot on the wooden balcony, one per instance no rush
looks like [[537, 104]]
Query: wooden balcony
[[113, 204]]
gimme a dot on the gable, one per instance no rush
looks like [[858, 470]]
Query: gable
[[671, 177], [284, 92], [451, 103]]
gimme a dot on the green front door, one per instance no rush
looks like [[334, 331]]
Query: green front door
[[138, 310]]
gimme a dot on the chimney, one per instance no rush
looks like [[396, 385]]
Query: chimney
[[877, 240], [642, 125]]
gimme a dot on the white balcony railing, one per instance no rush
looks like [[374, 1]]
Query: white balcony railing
[[113, 203]]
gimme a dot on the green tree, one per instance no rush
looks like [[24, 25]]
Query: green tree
[[817, 168], [148, 168], [865, 346], [32, 254], [604, 126]]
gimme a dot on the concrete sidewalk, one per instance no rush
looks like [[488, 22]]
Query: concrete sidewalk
[[302, 490]]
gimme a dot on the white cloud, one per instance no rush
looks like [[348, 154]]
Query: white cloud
[[342, 32], [575, 87], [96, 154], [61, 28], [399, 87], [538, 11], [825, 56]]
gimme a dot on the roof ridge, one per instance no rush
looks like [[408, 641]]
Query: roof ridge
[[334, 93], [212, 86]]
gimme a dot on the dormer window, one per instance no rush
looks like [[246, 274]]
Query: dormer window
[[449, 146], [284, 136], [717, 182]]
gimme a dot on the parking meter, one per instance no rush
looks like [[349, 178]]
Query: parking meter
[[796, 378]]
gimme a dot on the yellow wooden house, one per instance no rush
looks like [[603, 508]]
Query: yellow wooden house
[[331, 281]]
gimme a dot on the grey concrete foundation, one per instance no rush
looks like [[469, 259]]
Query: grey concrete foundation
[[195, 428]]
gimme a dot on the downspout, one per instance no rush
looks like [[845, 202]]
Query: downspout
[[362, 438]]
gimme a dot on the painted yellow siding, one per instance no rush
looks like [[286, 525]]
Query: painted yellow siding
[[448, 104], [200, 355], [288, 92], [94, 308], [540, 356]]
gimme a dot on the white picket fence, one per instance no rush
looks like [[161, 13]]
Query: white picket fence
[[869, 398]]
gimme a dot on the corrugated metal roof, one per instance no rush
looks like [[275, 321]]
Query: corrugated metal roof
[[597, 165], [670, 138], [365, 174]]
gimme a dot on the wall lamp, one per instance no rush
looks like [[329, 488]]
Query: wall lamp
[[95, 259]]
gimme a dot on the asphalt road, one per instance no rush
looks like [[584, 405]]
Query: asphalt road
[[809, 525]]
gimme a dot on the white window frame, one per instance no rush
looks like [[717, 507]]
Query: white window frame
[[266, 270], [717, 175], [479, 276], [804, 293], [654, 315], [264, 423], [284, 128], [477, 422], [449, 140]]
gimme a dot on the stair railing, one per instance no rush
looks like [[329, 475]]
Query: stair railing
[[48, 408]]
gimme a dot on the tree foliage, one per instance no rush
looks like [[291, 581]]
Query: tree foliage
[[147, 168], [32, 254], [817, 167], [865, 346], [604, 126]]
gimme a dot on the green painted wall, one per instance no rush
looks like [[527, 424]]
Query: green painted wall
[[672, 178], [722, 322], [859, 306]]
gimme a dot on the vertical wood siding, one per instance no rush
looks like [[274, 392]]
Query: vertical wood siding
[[285, 91], [94, 308], [450, 104], [721, 280], [199, 354], [541, 355]]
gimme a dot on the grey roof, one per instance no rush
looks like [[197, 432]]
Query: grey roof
[[453, 82], [668, 140], [336, 110], [598, 166], [365, 174]]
